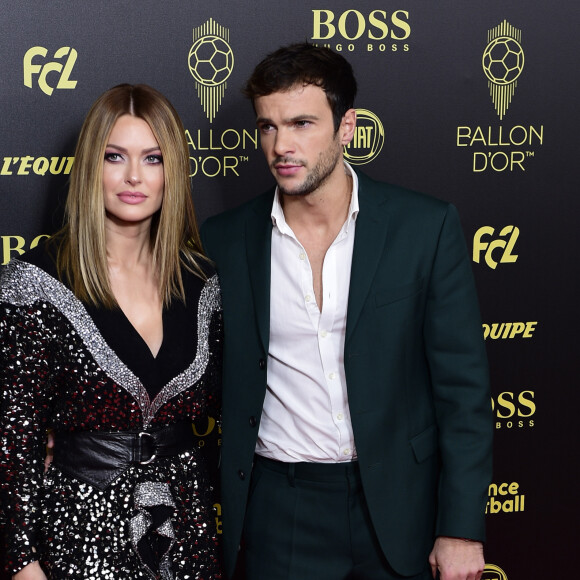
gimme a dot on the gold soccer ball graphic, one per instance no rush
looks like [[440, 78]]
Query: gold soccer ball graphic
[[503, 60], [211, 61]]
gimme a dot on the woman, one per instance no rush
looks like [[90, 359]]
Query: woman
[[111, 337]]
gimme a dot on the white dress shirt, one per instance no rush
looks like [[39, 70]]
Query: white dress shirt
[[306, 415]]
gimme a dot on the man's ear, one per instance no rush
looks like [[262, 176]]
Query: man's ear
[[347, 127]]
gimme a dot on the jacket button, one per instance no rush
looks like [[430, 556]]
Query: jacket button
[[253, 421], [262, 364], [242, 474]]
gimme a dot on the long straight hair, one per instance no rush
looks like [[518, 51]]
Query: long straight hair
[[174, 236]]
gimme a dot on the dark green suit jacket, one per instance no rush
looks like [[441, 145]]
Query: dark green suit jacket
[[415, 366]]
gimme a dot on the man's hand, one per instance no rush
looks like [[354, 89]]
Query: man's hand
[[457, 559]]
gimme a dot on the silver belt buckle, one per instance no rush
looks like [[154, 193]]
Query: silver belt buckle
[[140, 447]]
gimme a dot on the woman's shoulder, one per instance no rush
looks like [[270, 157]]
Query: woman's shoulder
[[43, 256], [200, 281], [197, 265], [31, 277], [36, 263]]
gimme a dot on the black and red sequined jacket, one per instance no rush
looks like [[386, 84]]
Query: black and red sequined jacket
[[70, 367]]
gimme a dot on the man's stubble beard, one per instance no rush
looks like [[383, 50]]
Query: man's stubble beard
[[327, 162]]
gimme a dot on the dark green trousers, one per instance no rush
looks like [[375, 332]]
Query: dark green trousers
[[310, 522]]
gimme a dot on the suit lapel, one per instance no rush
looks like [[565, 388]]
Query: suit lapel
[[258, 246], [369, 242], [370, 238]]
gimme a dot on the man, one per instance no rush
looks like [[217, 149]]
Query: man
[[357, 417]]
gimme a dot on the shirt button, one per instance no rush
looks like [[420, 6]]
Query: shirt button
[[332, 376], [346, 452], [340, 416], [302, 256], [323, 333], [308, 298]]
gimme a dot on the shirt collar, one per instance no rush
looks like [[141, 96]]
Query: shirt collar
[[277, 214]]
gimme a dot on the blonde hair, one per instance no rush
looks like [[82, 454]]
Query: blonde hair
[[174, 241]]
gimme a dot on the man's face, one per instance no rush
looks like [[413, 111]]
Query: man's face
[[298, 138]]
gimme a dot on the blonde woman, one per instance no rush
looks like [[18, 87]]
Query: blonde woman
[[111, 337]]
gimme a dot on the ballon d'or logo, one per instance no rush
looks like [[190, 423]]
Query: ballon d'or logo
[[211, 62], [503, 63]]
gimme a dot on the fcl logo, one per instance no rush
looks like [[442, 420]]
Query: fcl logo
[[43, 70], [503, 63], [368, 139], [211, 62], [504, 244]]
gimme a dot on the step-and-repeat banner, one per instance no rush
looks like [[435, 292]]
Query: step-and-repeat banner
[[472, 102]]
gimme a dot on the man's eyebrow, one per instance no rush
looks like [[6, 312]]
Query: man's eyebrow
[[303, 117]]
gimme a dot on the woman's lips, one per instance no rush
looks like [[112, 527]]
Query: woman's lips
[[132, 197]]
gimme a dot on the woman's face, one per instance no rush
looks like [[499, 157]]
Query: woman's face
[[133, 176]]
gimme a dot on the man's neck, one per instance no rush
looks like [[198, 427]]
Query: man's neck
[[326, 208]]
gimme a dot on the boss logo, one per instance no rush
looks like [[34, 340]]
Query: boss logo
[[508, 405], [353, 24]]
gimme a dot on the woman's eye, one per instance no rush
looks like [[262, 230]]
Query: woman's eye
[[154, 159], [112, 157]]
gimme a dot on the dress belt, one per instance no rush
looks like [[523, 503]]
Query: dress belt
[[98, 457]]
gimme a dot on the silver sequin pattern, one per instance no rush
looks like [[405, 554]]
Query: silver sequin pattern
[[27, 284]]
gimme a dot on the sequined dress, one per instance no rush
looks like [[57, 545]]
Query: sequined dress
[[71, 367]]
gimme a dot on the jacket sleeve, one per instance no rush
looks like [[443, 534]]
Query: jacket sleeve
[[24, 413], [458, 364]]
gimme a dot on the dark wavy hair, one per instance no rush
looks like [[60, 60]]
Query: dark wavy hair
[[306, 64]]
